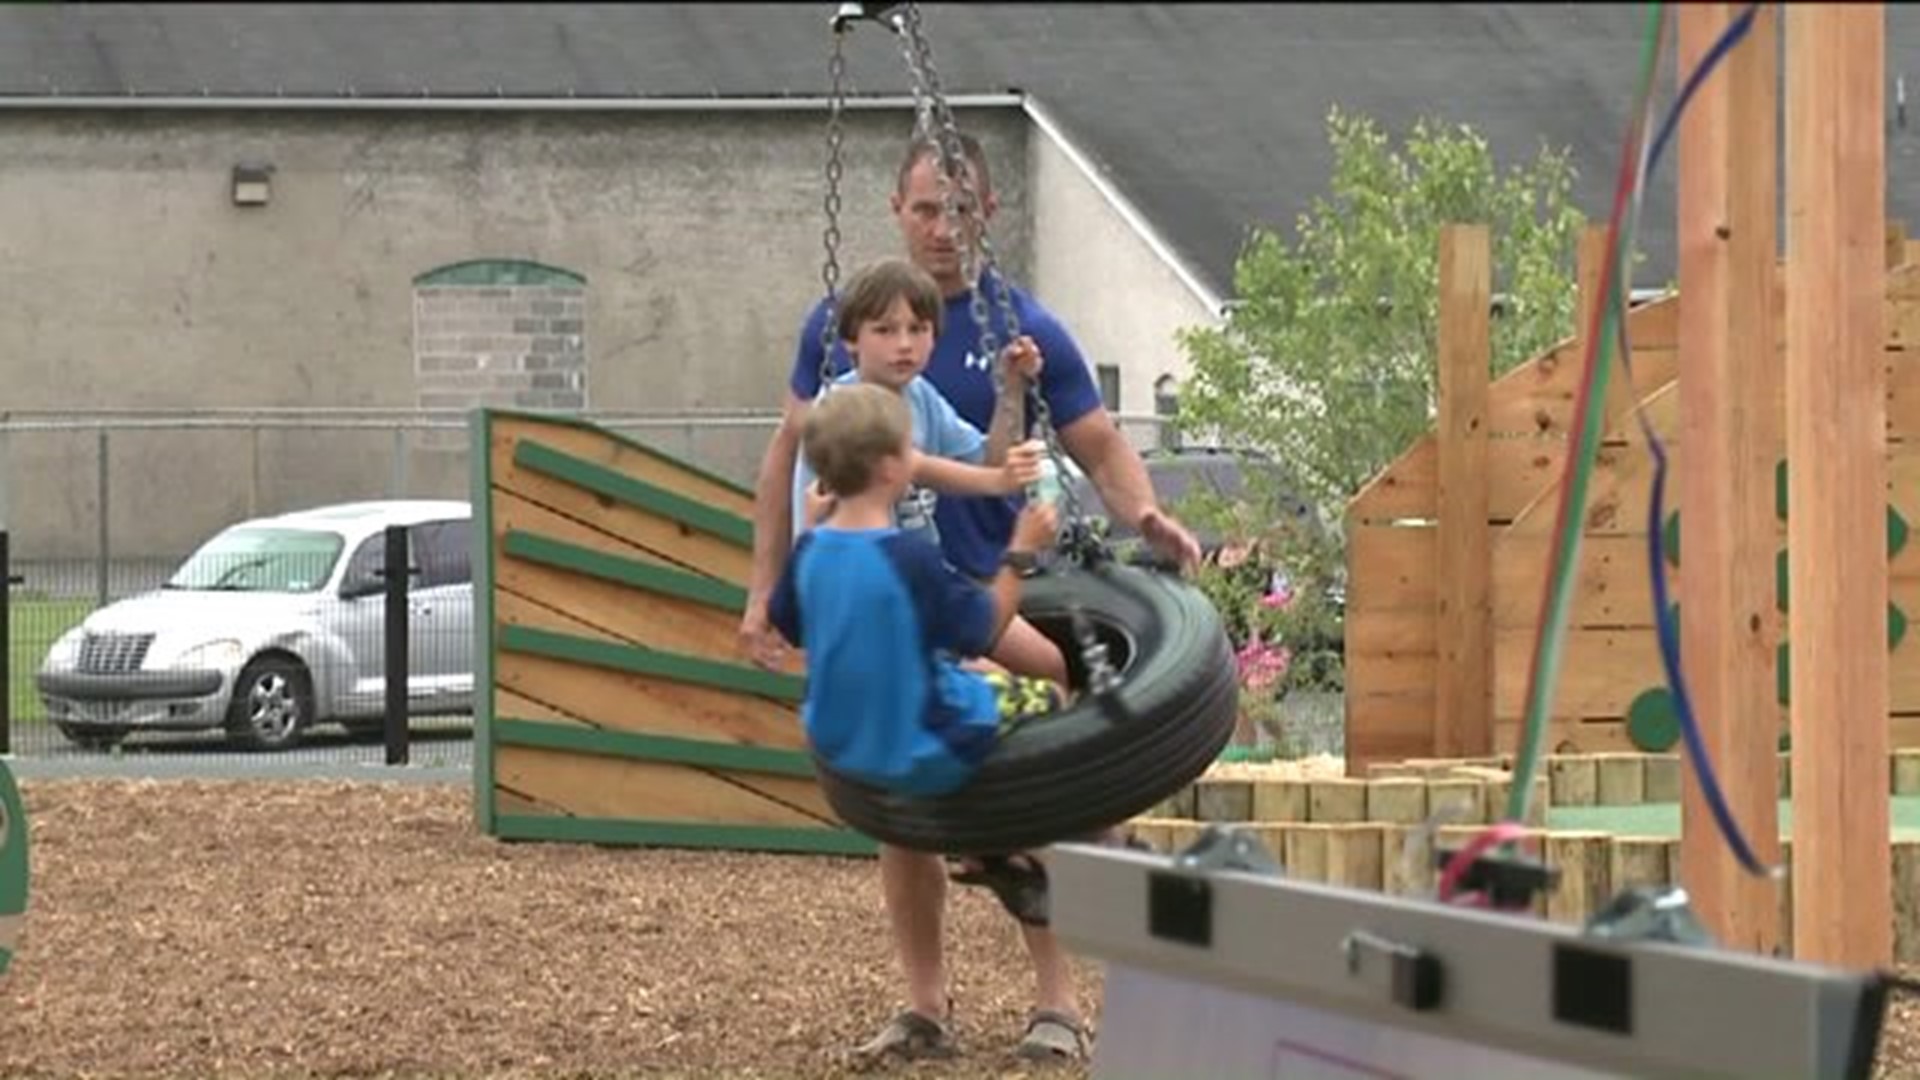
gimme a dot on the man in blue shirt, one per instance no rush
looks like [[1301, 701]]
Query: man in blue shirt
[[974, 533]]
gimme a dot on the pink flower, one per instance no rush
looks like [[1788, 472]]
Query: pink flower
[[1261, 665], [1279, 598]]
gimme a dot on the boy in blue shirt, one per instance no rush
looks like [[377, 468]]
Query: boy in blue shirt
[[884, 620], [888, 319]]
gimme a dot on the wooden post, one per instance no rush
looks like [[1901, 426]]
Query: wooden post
[[1463, 719], [1728, 247], [1836, 397], [1590, 262]]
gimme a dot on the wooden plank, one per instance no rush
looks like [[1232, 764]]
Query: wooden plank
[[1730, 425], [637, 703], [606, 787], [576, 602], [1463, 714], [1584, 860], [1836, 394], [614, 452], [672, 542]]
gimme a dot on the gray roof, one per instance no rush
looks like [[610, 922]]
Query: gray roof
[[1209, 117]]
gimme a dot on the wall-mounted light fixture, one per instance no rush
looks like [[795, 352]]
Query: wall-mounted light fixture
[[252, 183]]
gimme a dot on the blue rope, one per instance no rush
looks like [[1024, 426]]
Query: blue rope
[[1669, 633]]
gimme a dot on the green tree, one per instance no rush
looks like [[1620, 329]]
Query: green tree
[[1328, 362]]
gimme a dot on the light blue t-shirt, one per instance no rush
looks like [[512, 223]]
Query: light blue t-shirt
[[938, 431]]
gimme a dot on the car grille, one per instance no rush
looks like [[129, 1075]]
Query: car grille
[[113, 654]]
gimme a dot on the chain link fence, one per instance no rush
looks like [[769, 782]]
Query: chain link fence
[[105, 508]]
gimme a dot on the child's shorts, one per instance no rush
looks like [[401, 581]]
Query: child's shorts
[[1021, 697]]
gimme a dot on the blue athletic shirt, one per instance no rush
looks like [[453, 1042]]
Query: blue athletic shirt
[[974, 530], [938, 431], [883, 620]]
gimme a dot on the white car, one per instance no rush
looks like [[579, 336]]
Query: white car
[[272, 626]]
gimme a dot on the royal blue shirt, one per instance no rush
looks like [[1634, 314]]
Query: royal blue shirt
[[974, 530], [884, 620]]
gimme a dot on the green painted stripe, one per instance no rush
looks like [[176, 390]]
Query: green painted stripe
[[480, 495], [629, 441], [627, 744], [685, 834], [613, 484], [734, 678], [623, 570]]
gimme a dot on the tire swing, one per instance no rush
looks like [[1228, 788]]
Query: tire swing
[[1150, 664]]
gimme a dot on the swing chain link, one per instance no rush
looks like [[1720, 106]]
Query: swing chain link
[[964, 209], [830, 237], [930, 98]]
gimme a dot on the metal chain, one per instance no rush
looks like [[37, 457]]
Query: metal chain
[[926, 87], [830, 237]]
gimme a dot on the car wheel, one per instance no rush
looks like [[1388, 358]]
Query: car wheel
[[92, 738], [1093, 765], [272, 704]]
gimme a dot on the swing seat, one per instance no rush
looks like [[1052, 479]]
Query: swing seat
[[1106, 758]]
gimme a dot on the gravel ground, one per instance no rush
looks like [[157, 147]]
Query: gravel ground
[[278, 929]]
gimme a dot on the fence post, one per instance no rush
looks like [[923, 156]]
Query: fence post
[[398, 574], [101, 563], [6, 644]]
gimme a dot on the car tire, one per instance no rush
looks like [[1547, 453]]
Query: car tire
[[272, 704], [1076, 772]]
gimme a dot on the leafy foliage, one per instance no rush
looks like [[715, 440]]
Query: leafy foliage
[[1328, 364]]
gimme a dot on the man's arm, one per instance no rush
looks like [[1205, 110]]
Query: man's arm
[[772, 530], [1114, 466]]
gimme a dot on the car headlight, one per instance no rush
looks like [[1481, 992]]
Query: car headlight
[[224, 653], [65, 652]]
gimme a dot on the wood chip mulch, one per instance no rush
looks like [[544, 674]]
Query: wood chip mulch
[[327, 929]]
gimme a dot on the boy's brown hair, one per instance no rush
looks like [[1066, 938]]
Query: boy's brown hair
[[872, 290], [849, 431]]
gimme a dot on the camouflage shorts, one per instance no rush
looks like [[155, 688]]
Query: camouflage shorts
[[1021, 697]]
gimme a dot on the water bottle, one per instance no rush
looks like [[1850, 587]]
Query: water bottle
[[1047, 488]]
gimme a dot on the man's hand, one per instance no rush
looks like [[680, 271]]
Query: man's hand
[[1022, 466], [1167, 536], [758, 639]]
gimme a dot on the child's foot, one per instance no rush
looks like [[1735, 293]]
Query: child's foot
[[1054, 1037], [1019, 881], [908, 1036]]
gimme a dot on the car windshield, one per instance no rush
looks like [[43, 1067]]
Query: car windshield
[[261, 560]]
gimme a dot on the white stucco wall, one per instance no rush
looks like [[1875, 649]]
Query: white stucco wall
[[1123, 300]]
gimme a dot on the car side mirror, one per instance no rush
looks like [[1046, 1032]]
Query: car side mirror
[[356, 587]]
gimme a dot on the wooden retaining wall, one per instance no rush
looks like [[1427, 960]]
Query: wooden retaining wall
[[612, 707], [1379, 833], [1611, 694]]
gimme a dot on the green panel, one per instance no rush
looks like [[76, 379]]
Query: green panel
[[1896, 626], [500, 272], [563, 420], [1652, 721], [1782, 574], [13, 860], [626, 744], [1896, 532], [1783, 679], [1780, 489], [634, 492], [625, 571], [1670, 538], [821, 841], [736, 678], [480, 465]]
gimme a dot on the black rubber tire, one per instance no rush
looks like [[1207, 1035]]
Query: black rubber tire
[[1076, 772]]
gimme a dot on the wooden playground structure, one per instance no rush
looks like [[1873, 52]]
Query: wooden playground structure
[[1794, 622]]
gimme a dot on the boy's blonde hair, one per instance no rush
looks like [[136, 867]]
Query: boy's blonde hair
[[872, 290], [849, 431]]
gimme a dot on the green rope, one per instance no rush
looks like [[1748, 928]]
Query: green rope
[[1550, 644]]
